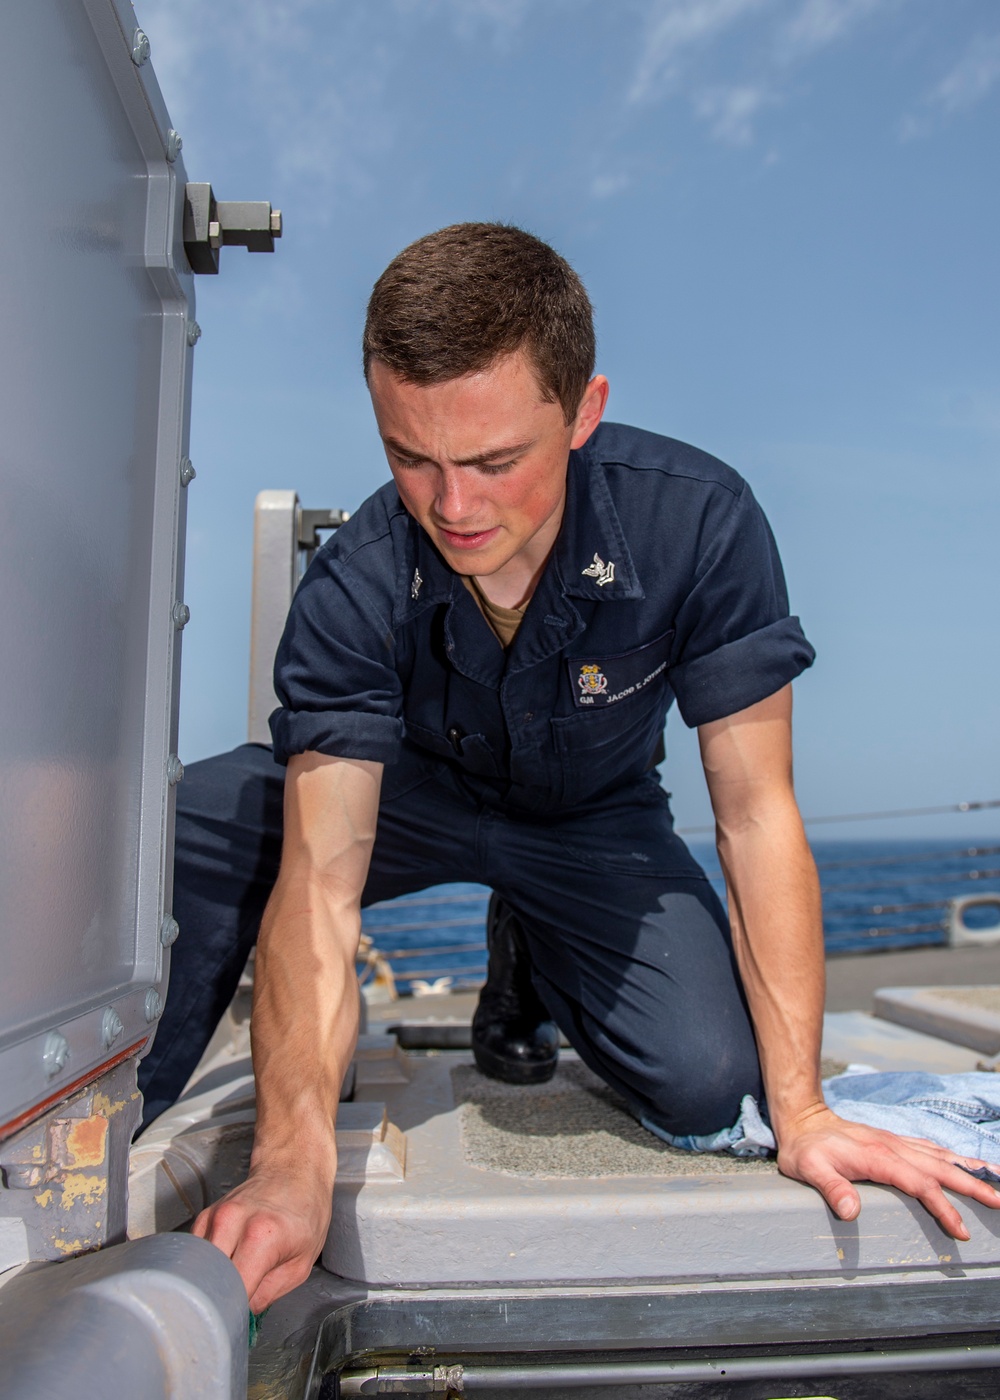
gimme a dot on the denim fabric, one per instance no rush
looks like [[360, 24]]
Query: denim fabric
[[750, 1135], [957, 1111]]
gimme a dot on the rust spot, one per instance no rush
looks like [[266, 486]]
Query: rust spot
[[86, 1141], [44, 1198]]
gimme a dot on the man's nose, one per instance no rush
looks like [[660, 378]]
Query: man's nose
[[456, 498]]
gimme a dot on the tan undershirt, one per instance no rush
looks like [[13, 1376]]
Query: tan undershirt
[[503, 622]]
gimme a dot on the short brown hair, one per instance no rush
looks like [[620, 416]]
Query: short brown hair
[[457, 300]]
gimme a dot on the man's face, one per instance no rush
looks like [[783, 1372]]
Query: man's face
[[480, 461]]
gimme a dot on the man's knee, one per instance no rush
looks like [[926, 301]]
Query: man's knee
[[695, 1089]]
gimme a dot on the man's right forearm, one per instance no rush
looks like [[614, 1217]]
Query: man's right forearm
[[305, 1014], [304, 1026]]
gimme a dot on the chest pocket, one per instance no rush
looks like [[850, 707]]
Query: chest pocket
[[619, 708]]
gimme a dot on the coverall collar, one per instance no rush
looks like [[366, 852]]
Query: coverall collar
[[590, 556]]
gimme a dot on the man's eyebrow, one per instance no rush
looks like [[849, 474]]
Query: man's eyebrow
[[479, 459], [495, 454]]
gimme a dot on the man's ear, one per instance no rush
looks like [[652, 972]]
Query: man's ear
[[591, 410]]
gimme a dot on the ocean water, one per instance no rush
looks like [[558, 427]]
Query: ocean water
[[876, 894]]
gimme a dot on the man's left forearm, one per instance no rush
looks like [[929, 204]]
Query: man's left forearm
[[774, 909], [776, 918], [774, 898]]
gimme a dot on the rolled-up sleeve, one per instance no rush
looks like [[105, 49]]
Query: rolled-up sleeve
[[334, 671], [735, 642]]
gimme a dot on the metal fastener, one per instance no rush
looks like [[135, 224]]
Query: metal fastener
[[193, 333], [55, 1055], [214, 234], [169, 930], [153, 1006], [111, 1026], [175, 770], [276, 223], [188, 472], [174, 145], [140, 47], [181, 615]]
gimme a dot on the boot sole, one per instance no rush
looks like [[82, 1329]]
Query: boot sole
[[513, 1071]]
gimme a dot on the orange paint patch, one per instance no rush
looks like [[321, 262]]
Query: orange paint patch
[[86, 1141]]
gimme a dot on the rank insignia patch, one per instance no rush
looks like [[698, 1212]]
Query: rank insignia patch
[[599, 571]]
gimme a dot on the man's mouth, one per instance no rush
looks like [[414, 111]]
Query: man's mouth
[[468, 539]]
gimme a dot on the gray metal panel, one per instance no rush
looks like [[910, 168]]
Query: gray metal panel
[[275, 576], [154, 1320], [96, 306]]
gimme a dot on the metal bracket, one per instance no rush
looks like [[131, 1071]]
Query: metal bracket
[[311, 522], [210, 224]]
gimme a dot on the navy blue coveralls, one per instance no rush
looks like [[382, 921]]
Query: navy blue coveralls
[[529, 770]]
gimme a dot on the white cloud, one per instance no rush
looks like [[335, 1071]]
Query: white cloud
[[605, 186], [688, 45], [972, 76], [675, 26], [818, 23], [967, 83], [729, 111]]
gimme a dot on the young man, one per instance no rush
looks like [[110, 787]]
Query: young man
[[475, 676]]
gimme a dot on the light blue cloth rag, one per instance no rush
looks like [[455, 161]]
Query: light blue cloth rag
[[957, 1111]]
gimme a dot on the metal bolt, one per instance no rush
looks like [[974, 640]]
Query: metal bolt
[[181, 615], [188, 472], [175, 770], [169, 930], [140, 47], [153, 1006], [276, 223], [111, 1026], [215, 234], [193, 333], [55, 1055], [174, 145]]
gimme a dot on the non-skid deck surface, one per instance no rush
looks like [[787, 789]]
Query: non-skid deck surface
[[574, 1126]]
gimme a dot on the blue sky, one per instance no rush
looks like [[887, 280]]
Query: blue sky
[[786, 213]]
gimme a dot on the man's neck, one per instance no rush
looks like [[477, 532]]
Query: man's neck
[[509, 590]]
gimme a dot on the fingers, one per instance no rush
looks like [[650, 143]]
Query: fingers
[[273, 1251], [835, 1189], [840, 1152]]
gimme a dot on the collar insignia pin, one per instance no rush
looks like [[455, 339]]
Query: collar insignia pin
[[603, 573], [416, 585]]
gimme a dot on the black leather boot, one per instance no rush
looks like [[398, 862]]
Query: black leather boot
[[513, 1038]]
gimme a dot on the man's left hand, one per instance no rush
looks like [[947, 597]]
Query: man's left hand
[[830, 1153]]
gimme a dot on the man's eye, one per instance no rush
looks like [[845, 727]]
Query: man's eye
[[496, 468]]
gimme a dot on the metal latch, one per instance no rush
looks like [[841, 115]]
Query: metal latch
[[210, 224], [442, 1381]]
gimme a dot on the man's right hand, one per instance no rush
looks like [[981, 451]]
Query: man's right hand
[[273, 1227]]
